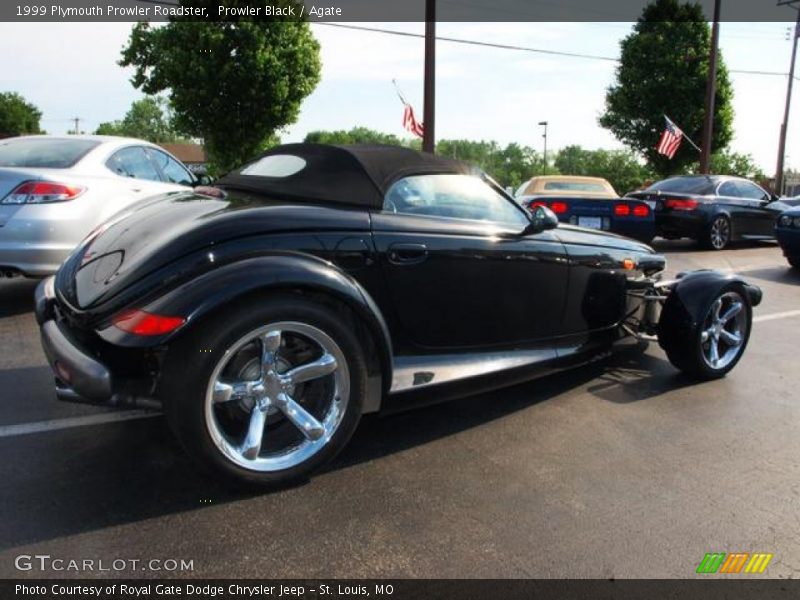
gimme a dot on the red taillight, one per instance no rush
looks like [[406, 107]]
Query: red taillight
[[140, 322], [622, 210], [43, 192], [680, 204], [641, 210], [558, 207], [532, 206]]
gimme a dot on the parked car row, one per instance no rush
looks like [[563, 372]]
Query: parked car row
[[713, 210]]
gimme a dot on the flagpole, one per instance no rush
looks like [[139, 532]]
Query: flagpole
[[429, 107]]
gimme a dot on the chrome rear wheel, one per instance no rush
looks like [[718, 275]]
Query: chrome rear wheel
[[277, 396]]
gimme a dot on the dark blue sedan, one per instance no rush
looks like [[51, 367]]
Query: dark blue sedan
[[787, 232]]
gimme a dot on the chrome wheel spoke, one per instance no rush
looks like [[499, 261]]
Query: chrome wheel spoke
[[730, 338], [324, 365], [732, 311], [714, 352], [238, 390], [251, 446], [300, 417], [270, 343], [717, 308]]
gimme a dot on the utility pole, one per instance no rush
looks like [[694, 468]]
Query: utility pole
[[544, 156], [429, 108], [711, 92], [77, 121], [785, 124]]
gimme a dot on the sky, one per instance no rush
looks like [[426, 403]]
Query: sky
[[69, 70]]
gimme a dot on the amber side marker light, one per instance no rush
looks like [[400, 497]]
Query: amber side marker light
[[139, 322], [629, 264]]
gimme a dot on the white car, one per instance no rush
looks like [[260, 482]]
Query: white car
[[54, 190]]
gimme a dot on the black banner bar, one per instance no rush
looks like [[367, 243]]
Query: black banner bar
[[400, 589]]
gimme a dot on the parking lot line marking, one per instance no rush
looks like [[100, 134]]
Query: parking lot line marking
[[70, 422], [774, 316]]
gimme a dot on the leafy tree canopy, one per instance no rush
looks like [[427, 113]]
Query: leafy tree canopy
[[663, 69], [148, 119], [18, 116], [357, 135], [621, 168], [232, 83]]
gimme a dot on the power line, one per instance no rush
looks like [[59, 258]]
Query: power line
[[473, 42], [518, 48]]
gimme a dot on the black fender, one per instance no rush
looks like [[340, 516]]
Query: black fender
[[688, 301], [215, 288]]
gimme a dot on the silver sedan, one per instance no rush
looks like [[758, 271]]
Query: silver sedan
[[54, 190]]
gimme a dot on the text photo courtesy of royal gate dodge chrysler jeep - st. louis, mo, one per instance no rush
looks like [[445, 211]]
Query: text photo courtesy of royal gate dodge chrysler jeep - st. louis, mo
[[423, 299]]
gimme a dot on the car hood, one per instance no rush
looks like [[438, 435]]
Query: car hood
[[138, 242], [572, 234]]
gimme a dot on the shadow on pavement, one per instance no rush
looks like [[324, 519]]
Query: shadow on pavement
[[16, 296], [782, 274], [78, 480]]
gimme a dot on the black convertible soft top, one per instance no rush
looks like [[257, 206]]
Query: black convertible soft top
[[356, 174]]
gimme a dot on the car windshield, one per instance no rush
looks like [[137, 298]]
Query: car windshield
[[46, 153], [574, 186], [684, 185]]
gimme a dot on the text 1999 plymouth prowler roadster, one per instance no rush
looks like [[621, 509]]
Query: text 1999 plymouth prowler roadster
[[318, 283]]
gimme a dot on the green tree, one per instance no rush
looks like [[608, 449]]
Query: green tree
[[621, 168], [357, 135], [735, 163], [232, 83], [663, 69], [18, 116], [148, 119]]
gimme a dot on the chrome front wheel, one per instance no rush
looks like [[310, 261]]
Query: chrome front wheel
[[724, 331], [277, 396]]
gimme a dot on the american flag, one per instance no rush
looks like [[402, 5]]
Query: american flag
[[670, 140], [410, 123]]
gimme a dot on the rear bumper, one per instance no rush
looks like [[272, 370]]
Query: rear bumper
[[79, 375], [688, 223]]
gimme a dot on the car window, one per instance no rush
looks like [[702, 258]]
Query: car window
[[729, 188], [43, 152], [173, 171], [751, 191], [454, 197], [574, 186], [133, 162], [684, 185]]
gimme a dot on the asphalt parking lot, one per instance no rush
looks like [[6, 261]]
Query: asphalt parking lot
[[620, 469]]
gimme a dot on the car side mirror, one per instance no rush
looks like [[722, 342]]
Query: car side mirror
[[542, 219]]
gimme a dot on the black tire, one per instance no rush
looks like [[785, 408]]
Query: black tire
[[682, 336], [718, 233], [193, 359], [794, 261]]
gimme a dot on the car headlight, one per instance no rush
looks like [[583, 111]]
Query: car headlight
[[785, 221], [797, 222]]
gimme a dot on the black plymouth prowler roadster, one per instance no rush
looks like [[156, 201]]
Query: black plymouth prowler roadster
[[319, 283]]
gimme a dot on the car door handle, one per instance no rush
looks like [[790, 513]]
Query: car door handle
[[407, 254]]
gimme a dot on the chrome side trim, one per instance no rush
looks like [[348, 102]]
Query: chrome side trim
[[416, 372]]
